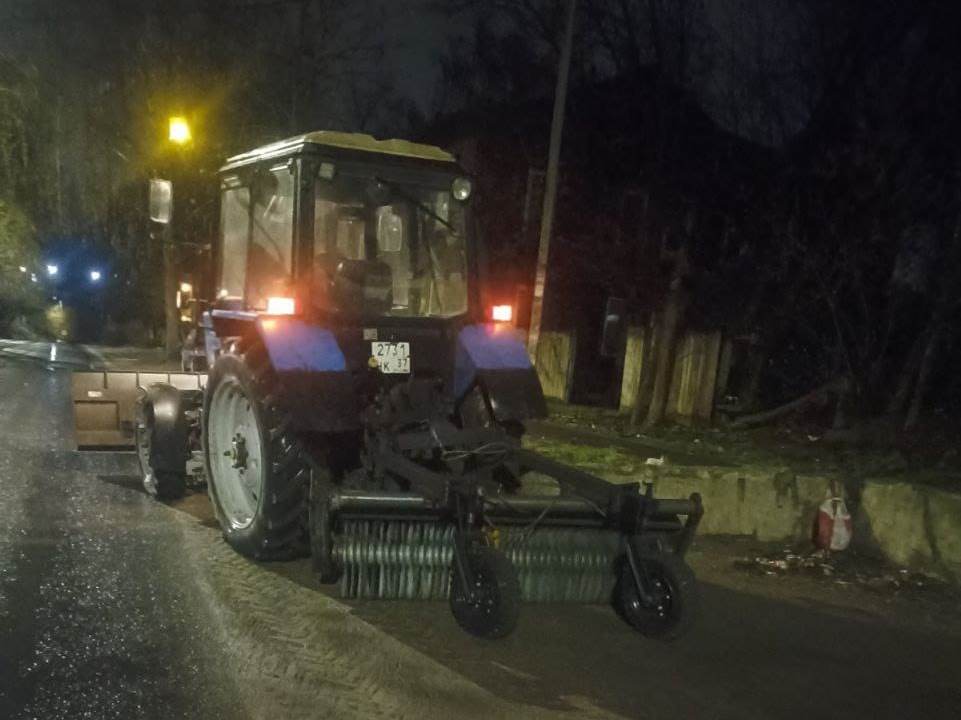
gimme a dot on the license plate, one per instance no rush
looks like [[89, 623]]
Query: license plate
[[392, 358]]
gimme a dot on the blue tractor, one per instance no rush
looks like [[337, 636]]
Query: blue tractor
[[359, 407]]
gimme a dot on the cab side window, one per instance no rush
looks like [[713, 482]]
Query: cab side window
[[235, 229], [269, 267]]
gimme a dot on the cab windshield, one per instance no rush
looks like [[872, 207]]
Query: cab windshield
[[410, 237]]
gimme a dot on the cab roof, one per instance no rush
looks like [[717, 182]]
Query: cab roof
[[343, 141]]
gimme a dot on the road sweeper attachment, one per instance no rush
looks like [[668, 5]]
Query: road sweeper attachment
[[469, 532], [360, 407]]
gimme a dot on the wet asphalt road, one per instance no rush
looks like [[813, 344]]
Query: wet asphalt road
[[114, 606], [51, 355], [97, 617]]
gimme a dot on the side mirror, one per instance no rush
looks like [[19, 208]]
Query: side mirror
[[161, 201]]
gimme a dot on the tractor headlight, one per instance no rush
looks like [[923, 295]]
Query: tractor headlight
[[461, 188]]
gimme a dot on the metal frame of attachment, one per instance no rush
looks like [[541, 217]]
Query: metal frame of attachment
[[454, 493]]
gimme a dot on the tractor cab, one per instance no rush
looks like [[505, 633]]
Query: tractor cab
[[364, 247], [345, 228]]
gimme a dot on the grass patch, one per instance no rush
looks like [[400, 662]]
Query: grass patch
[[593, 459]]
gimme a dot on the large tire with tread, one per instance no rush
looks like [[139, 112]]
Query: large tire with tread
[[676, 600], [262, 505]]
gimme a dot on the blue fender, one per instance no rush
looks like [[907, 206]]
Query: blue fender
[[296, 346], [318, 391], [494, 357]]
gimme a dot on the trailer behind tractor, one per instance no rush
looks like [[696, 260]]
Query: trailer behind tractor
[[361, 408]]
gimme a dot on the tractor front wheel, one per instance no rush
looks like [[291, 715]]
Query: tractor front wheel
[[162, 484], [257, 475]]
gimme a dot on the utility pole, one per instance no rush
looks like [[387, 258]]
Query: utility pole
[[550, 185]]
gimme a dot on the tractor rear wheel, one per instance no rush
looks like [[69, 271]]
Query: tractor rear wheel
[[256, 472]]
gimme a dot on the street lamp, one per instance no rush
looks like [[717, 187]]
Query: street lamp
[[23, 269], [179, 130], [52, 270], [95, 276]]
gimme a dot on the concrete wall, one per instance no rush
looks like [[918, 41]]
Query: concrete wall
[[914, 526], [911, 526]]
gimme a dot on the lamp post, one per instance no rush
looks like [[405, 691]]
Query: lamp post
[[179, 136]]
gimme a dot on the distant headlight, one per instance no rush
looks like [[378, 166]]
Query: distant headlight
[[461, 189]]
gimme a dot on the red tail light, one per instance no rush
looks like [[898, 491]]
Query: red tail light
[[281, 306]]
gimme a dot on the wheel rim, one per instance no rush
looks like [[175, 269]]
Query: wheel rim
[[659, 612], [234, 448], [486, 598], [490, 613]]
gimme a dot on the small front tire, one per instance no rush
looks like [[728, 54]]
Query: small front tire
[[170, 485], [495, 608], [671, 611], [161, 484]]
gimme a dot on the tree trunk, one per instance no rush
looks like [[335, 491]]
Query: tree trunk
[[664, 363], [842, 409], [757, 361], [645, 383], [928, 361], [939, 330], [819, 395], [723, 370], [905, 384], [667, 332]]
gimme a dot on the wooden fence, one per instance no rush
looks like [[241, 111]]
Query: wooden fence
[[691, 396]]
